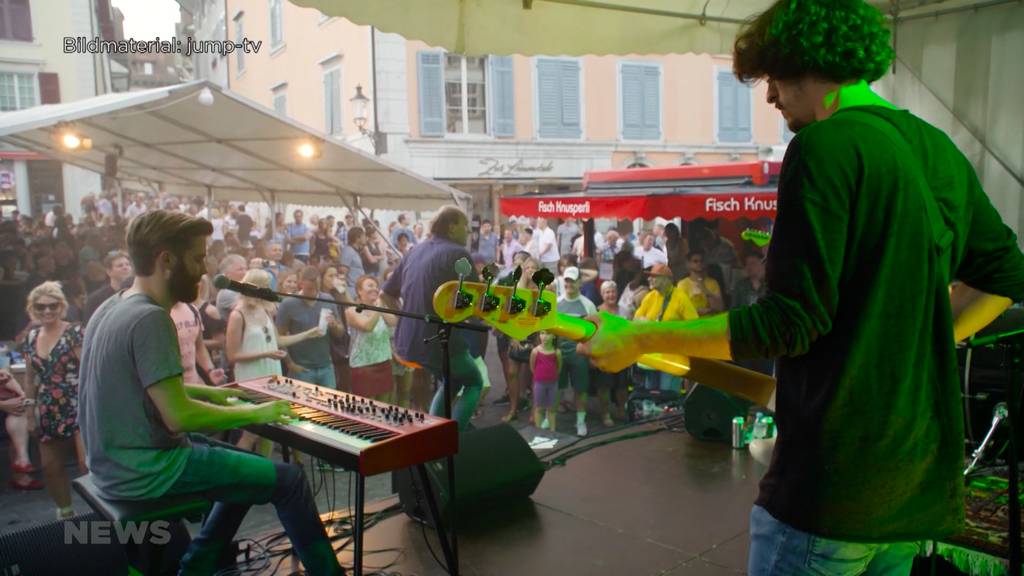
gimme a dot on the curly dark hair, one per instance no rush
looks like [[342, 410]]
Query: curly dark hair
[[837, 40]]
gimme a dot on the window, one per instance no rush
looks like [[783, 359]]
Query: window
[[239, 39], [281, 99], [465, 94], [276, 31], [641, 101], [147, 68], [733, 109], [558, 98], [17, 91], [15, 20], [332, 101]]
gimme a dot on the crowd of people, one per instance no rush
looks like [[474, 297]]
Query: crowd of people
[[69, 269]]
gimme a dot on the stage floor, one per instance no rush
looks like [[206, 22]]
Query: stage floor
[[662, 504]]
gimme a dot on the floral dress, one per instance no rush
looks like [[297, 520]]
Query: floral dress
[[57, 397]]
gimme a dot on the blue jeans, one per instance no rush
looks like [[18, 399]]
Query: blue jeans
[[778, 549], [322, 376], [466, 376], [251, 479]]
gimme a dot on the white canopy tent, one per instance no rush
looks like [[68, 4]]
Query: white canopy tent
[[958, 61], [232, 149]]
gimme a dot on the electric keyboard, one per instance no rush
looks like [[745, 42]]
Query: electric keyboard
[[362, 435]]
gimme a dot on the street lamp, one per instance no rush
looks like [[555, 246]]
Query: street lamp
[[361, 117]]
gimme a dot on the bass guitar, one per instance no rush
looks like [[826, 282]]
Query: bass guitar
[[518, 313]]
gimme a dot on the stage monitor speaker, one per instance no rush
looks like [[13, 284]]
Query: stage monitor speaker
[[46, 549], [494, 465], [709, 413]]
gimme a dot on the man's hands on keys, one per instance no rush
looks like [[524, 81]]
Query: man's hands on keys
[[614, 346], [276, 412]]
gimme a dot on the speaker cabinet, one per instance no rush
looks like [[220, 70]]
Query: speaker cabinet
[[709, 413], [493, 465]]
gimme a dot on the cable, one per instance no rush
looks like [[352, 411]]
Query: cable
[[667, 417], [561, 460]]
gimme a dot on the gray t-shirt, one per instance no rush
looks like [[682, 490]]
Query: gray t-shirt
[[296, 316], [226, 300], [579, 307], [130, 344], [488, 246], [354, 262]]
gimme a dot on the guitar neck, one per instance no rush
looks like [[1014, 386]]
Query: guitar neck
[[726, 377], [571, 327]]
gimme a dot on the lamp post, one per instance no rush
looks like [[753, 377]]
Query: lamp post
[[361, 118]]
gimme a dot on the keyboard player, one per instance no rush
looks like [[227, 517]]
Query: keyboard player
[[137, 416]]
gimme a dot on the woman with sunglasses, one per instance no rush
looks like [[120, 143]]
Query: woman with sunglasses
[[253, 345], [52, 353]]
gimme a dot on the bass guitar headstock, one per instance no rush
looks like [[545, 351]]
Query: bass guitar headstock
[[517, 312]]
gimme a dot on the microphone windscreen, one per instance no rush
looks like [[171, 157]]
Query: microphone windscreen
[[221, 281]]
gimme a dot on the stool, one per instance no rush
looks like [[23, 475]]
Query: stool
[[146, 557]]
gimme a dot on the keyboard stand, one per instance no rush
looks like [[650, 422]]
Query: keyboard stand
[[442, 533]]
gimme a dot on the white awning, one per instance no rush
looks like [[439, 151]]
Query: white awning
[[577, 27], [234, 148]]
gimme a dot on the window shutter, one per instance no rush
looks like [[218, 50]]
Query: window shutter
[[743, 121], [19, 21], [558, 99], [652, 103], [49, 88], [431, 87], [549, 106], [632, 102], [734, 122], [504, 96], [570, 99]]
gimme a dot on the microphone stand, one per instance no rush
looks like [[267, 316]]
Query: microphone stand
[[444, 331], [1013, 341]]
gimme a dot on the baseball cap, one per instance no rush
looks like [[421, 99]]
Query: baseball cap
[[571, 273], [658, 270]]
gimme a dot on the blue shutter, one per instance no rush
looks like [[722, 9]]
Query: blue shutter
[[652, 103], [641, 102], [503, 92], [558, 99], [734, 123], [632, 102], [570, 100], [549, 99], [743, 121], [431, 87]]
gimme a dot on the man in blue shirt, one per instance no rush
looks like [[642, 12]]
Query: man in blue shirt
[[298, 238], [430, 264]]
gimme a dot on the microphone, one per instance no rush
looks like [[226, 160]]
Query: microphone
[[222, 282]]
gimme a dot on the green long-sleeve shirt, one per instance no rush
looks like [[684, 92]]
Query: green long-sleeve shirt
[[870, 424]]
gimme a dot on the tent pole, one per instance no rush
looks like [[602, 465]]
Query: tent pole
[[209, 200], [359, 209], [588, 238]]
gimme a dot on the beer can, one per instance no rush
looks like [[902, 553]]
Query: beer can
[[739, 437]]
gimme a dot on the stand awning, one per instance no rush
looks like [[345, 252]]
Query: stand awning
[[689, 206]]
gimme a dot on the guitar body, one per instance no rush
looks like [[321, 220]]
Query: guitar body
[[518, 313]]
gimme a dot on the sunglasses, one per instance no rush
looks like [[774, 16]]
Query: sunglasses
[[39, 307], [266, 334]]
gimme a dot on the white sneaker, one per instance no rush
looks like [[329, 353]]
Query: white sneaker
[[581, 429]]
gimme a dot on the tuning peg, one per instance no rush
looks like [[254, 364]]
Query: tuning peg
[[463, 299], [489, 301], [515, 303], [542, 278]]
